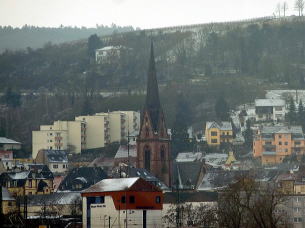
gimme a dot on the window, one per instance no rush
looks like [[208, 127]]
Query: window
[[286, 150], [30, 183], [268, 143], [147, 132], [10, 204], [297, 219], [223, 133], [123, 199], [296, 209], [158, 199], [297, 143], [64, 166], [280, 143], [214, 140], [55, 166], [51, 134], [213, 133], [132, 199], [286, 143], [278, 108], [280, 136]]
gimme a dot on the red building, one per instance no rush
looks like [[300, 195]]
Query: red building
[[122, 202], [153, 142]]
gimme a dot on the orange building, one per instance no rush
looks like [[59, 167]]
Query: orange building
[[273, 143]]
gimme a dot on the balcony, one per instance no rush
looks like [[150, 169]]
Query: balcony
[[269, 147], [269, 153]]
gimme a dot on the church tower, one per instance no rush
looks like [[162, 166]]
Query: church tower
[[153, 142]]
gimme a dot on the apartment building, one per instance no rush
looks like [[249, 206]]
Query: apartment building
[[273, 143], [62, 135], [86, 132], [218, 132], [270, 109]]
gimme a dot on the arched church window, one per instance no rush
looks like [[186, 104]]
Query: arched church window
[[146, 132], [162, 153], [147, 158]]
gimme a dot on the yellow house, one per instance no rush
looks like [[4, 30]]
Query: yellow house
[[218, 132], [8, 202]]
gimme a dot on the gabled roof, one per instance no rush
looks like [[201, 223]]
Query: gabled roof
[[6, 195], [62, 198], [56, 155], [113, 185], [282, 130], [269, 102], [4, 140], [223, 125], [123, 151]]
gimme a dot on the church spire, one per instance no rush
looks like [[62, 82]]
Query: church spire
[[152, 104]]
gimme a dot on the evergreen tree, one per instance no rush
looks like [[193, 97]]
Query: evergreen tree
[[301, 115], [94, 43], [248, 134], [12, 99], [222, 109], [291, 115], [180, 136]]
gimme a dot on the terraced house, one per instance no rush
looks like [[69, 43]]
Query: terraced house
[[273, 143]]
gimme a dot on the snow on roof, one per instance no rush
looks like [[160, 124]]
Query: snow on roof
[[4, 140], [110, 48], [215, 159], [19, 176], [188, 157], [112, 185], [269, 102], [224, 125], [123, 151], [82, 179], [282, 129]]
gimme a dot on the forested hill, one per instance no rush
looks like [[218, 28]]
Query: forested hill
[[35, 37]]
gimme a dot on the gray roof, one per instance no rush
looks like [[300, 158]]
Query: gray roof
[[282, 129], [123, 151], [56, 155], [112, 185], [189, 157], [62, 198], [224, 125], [269, 102], [4, 140]]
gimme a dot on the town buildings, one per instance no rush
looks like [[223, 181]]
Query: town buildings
[[86, 132], [153, 142], [270, 109], [56, 160], [273, 143], [218, 132], [122, 202], [9, 144], [110, 53]]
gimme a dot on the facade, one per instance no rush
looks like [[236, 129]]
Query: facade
[[153, 142], [8, 202], [37, 180], [273, 144], [56, 160], [62, 135], [270, 109], [122, 202], [126, 155], [86, 132], [218, 132]]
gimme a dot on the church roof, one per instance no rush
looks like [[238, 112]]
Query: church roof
[[152, 104]]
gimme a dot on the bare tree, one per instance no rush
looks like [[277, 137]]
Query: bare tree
[[250, 204], [299, 6], [285, 8], [278, 9]]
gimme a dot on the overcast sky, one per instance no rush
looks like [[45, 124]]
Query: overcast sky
[[138, 13]]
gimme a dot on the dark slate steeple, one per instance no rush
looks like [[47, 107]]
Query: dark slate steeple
[[152, 104]]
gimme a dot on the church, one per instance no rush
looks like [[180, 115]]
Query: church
[[153, 142]]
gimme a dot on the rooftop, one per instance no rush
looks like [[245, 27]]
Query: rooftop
[[224, 125], [4, 140], [112, 185], [123, 151], [189, 157], [282, 129], [269, 102]]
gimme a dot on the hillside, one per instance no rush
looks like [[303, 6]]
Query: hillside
[[237, 61], [35, 37]]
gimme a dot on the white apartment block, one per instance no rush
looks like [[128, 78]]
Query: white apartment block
[[86, 132], [62, 135], [270, 109]]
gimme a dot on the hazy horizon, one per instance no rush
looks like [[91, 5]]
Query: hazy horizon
[[136, 13]]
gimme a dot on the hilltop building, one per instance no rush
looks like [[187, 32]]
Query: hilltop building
[[272, 144], [218, 132], [270, 109], [110, 53], [153, 142]]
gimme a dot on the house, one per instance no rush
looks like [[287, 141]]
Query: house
[[126, 154], [218, 132], [81, 178], [273, 143], [37, 180], [9, 144], [270, 109], [56, 160], [122, 202], [8, 202], [110, 53]]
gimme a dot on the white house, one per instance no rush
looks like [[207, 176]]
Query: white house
[[270, 109]]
